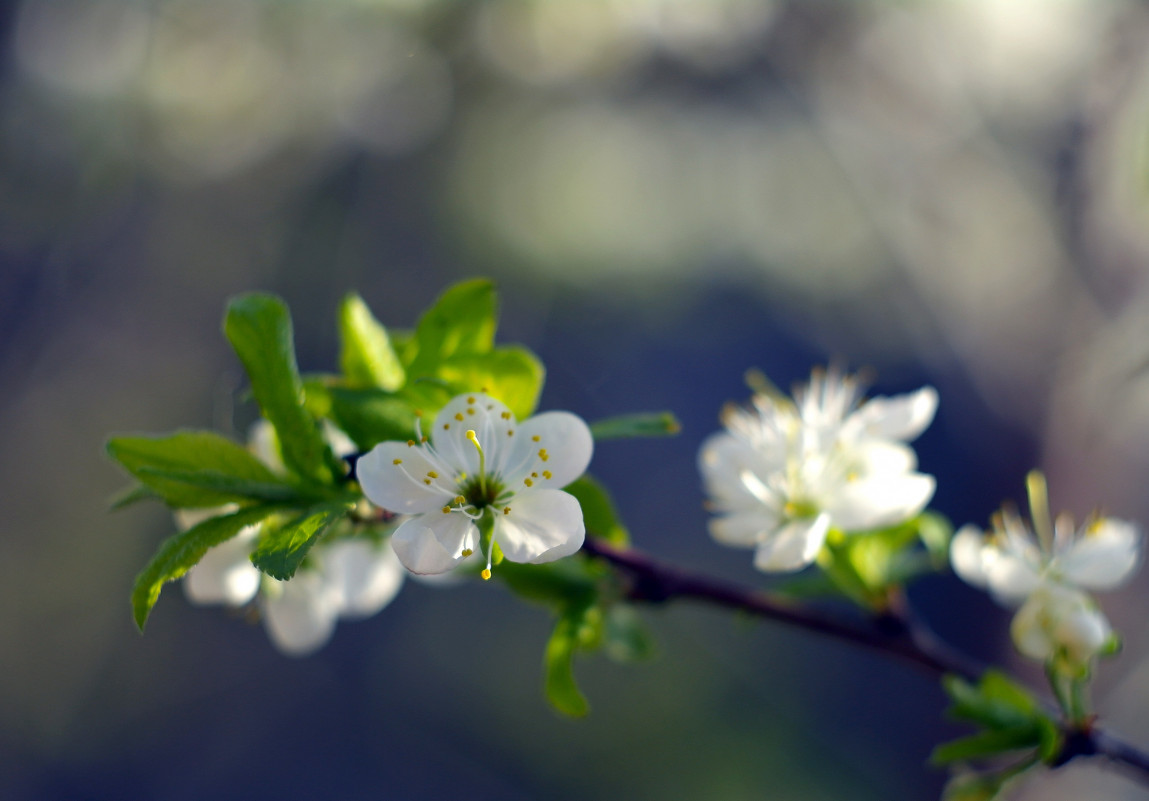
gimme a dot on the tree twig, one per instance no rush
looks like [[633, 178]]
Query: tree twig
[[898, 633]]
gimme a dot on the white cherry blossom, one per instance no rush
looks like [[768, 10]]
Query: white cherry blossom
[[476, 460], [785, 472], [1044, 568]]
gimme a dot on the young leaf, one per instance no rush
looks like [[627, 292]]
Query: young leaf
[[367, 358], [511, 374], [642, 424], [561, 689], [130, 496], [461, 321], [371, 416], [180, 552], [282, 549], [196, 469], [598, 511], [996, 702], [259, 329], [985, 744]]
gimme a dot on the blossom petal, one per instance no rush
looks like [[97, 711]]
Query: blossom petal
[[902, 417], [225, 574], [543, 525], [400, 487], [874, 456], [434, 542], [1104, 557], [726, 463], [1029, 632], [366, 575], [880, 500], [565, 439], [966, 556], [793, 546], [472, 412], [1010, 577], [300, 619], [744, 529]]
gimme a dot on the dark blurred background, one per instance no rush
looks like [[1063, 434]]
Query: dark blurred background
[[668, 192]]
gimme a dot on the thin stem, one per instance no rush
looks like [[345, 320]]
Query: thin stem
[[898, 633]]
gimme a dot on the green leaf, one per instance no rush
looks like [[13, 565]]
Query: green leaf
[[561, 689], [259, 329], [598, 510], [371, 416], [281, 549], [193, 468], [561, 584], [625, 637], [996, 702], [238, 489], [180, 552], [512, 374], [642, 424], [985, 744], [367, 358], [461, 321]]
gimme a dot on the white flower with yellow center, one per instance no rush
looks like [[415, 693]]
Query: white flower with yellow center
[[1045, 569], [479, 460], [785, 472]]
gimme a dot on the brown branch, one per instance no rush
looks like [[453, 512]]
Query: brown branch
[[897, 633]]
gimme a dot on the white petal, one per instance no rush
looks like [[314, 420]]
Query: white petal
[[341, 444], [1011, 578], [543, 525], [1030, 630], [966, 555], [793, 546], [877, 501], [902, 417], [744, 529], [879, 456], [724, 461], [366, 575], [1103, 558], [264, 444], [564, 437], [300, 618], [225, 574], [400, 487], [471, 412], [434, 542]]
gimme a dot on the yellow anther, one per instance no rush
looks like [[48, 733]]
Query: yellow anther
[[510, 432], [546, 474], [460, 500], [432, 474], [424, 439], [410, 443], [470, 410], [505, 415], [486, 574], [446, 510], [459, 416], [471, 399], [528, 482], [427, 481], [484, 390], [446, 426], [466, 552], [544, 455], [534, 475], [535, 438], [506, 510], [471, 436], [396, 461]]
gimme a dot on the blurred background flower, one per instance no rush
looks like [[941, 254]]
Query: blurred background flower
[[669, 192]]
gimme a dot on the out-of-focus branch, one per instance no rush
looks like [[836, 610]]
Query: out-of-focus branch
[[897, 633]]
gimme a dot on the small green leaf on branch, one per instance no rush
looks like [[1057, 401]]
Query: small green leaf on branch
[[367, 357], [282, 548], [641, 424]]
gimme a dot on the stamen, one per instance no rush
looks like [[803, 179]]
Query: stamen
[[505, 415], [506, 510], [528, 482], [471, 399], [446, 510], [486, 574], [410, 443], [466, 552], [459, 416], [446, 426], [432, 474], [546, 474], [1039, 509], [543, 454], [535, 438], [396, 461]]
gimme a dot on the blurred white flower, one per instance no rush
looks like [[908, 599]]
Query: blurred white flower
[[348, 578], [479, 457], [1044, 567], [785, 472]]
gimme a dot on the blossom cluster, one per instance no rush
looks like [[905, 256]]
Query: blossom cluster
[[1045, 567], [785, 472]]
